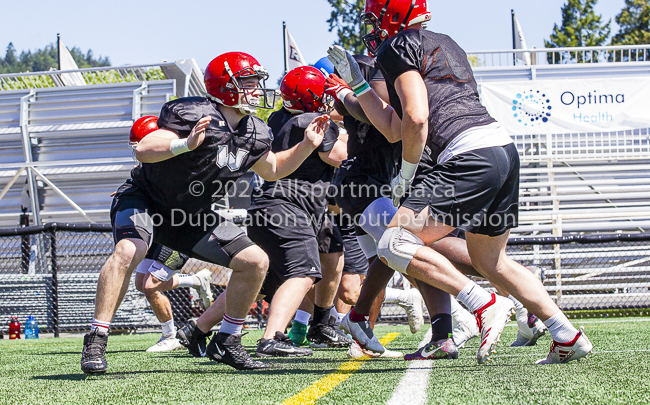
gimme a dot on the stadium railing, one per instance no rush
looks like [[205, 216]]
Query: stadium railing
[[561, 56], [51, 272]]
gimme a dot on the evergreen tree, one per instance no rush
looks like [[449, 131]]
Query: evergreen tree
[[634, 22], [580, 27], [43, 59], [346, 18]]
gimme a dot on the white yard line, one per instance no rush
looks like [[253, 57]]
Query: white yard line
[[412, 388]]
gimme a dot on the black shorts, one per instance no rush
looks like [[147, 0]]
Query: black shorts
[[476, 191], [356, 192], [287, 235], [329, 236], [210, 238], [354, 259]]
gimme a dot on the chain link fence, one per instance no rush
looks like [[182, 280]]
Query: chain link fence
[[51, 271]]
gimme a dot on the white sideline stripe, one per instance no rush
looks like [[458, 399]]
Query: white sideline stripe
[[594, 352], [412, 388], [594, 322]]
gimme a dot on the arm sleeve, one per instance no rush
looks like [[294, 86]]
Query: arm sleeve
[[329, 139], [171, 119]]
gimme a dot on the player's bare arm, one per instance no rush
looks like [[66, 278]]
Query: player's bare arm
[[415, 121], [274, 166], [336, 155], [163, 144], [381, 115]]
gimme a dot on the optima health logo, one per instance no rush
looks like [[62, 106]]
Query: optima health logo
[[531, 108]]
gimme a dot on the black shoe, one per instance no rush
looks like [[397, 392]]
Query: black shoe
[[280, 346], [193, 339], [225, 348], [93, 357], [325, 333]]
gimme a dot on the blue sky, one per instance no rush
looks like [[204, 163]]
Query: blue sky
[[137, 32]]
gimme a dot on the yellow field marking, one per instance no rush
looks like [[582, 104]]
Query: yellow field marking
[[326, 384]]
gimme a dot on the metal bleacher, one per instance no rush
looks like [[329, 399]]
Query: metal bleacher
[[64, 150]]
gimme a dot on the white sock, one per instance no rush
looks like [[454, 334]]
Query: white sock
[[474, 297], [392, 295], [168, 328], [302, 317], [339, 316], [100, 325], [518, 305], [187, 280], [560, 328], [231, 325]]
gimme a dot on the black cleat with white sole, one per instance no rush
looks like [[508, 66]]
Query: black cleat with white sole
[[193, 339], [227, 349], [280, 346], [322, 333], [93, 356]]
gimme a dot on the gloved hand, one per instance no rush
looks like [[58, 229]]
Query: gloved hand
[[399, 185], [348, 68], [337, 87]]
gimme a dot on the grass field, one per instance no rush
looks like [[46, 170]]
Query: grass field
[[46, 371]]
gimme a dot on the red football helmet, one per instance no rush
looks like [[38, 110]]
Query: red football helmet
[[141, 128], [388, 17], [303, 90], [224, 78]]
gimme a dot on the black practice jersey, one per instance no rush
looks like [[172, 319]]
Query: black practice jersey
[[368, 150], [306, 186], [194, 180], [454, 104]]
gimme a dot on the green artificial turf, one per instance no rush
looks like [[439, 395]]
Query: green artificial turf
[[47, 371]]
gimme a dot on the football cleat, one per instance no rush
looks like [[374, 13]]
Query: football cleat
[[298, 334], [411, 301], [280, 346], [527, 336], [363, 334], [356, 352], [325, 334], [227, 349], [434, 350], [463, 326], [491, 319], [205, 292], [93, 356], [576, 349], [165, 344], [193, 339]]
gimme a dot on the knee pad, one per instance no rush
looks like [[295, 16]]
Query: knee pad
[[398, 246], [375, 218], [368, 245]]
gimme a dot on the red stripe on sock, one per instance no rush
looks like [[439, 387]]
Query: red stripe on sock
[[235, 321]]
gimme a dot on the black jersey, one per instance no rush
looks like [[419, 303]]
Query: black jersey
[[306, 186], [194, 180], [369, 152], [454, 104]]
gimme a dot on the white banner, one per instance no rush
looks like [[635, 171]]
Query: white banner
[[561, 106], [520, 41], [68, 63], [292, 54]]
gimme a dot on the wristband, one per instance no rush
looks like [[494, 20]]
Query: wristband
[[179, 146], [408, 170], [343, 93], [361, 88]]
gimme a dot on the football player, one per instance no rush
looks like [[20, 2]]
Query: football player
[[472, 184], [158, 271], [287, 219], [203, 145]]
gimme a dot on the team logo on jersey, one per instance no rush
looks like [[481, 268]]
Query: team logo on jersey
[[225, 158], [531, 108]]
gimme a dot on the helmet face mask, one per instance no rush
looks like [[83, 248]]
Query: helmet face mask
[[386, 18], [237, 80]]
